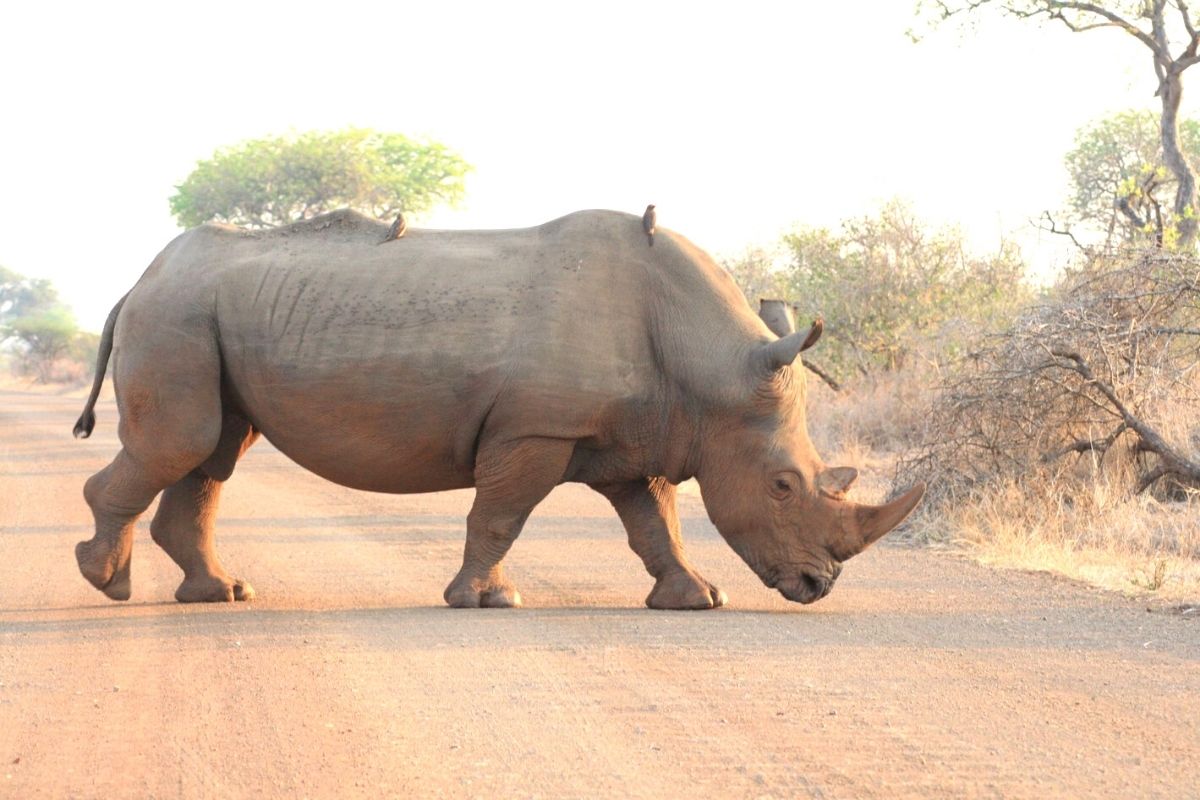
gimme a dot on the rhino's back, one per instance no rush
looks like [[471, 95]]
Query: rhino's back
[[380, 365]]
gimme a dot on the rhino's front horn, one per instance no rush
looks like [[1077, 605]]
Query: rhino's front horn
[[870, 523], [781, 352]]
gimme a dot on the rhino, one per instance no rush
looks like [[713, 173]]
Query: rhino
[[508, 360]]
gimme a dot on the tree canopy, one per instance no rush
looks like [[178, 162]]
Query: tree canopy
[[278, 180]]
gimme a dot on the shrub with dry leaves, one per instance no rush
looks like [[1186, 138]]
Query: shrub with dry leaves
[[1106, 368]]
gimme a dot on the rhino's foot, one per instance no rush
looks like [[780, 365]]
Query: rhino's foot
[[471, 594], [685, 591], [99, 566], [211, 589]]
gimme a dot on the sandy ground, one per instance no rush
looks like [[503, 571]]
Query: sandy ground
[[920, 676]]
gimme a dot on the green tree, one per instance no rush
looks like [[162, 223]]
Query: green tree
[[1164, 27], [887, 286], [44, 335], [278, 180], [20, 295], [40, 328], [1119, 180]]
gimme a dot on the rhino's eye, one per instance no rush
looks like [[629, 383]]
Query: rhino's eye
[[781, 487]]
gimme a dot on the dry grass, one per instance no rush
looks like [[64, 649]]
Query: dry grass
[[70, 388], [1130, 544], [1082, 522]]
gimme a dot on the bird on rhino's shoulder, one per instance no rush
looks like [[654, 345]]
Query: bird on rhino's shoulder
[[397, 230], [649, 220]]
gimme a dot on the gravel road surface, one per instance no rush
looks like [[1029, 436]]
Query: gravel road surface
[[921, 675]]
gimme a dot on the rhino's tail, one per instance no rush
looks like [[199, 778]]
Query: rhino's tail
[[87, 420]]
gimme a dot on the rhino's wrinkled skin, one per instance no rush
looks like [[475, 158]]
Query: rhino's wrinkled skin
[[510, 361]]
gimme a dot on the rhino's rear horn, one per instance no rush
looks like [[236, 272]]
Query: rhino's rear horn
[[777, 315], [781, 352]]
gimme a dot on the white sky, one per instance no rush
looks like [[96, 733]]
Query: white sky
[[739, 120]]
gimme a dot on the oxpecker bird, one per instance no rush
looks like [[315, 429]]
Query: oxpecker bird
[[648, 222], [397, 230]]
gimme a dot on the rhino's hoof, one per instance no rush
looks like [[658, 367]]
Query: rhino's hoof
[[119, 588], [460, 596], [507, 597], [99, 571], [685, 591], [213, 590]]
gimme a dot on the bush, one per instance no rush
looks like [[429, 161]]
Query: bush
[[890, 290], [1101, 378]]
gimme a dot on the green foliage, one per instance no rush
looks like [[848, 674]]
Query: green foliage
[[20, 295], [756, 273], [45, 335], [38, 327], [1119, 180], [888, 287], [278, 180]]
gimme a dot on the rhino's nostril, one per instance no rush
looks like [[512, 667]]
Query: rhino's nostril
[[814, 585]]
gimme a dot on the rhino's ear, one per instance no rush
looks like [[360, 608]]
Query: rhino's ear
[[835, 481], [781, 352], [777, 316]]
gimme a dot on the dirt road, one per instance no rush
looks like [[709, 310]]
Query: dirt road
[[921, 675]]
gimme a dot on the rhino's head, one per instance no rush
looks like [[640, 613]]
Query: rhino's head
[[770, 495]]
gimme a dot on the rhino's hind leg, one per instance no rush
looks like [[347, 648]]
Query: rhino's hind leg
[[183, 524], [510, 479], [117, 494], [647, 508], [168, 394]]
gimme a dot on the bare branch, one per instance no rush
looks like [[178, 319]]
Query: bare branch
[[822, 374], [1149, 478], [1182, 63], [1062, 232], [1088, 445], [1187, 23], [1172, 461], [1127, 210], [1169, 331], [1054, 10]]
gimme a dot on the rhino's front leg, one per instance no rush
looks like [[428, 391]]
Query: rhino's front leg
[[510, 479], [647, 508]]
